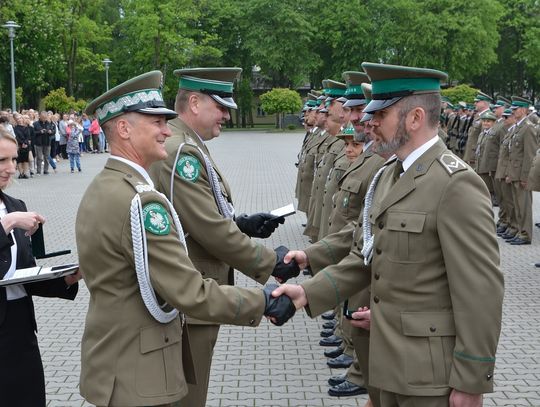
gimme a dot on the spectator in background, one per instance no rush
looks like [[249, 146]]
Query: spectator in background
[[72, 147], [62, 128], [24, 138], [44, 130], [95, 130], [86, 132], [5, 122]]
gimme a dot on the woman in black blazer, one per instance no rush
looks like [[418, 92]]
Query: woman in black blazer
[[22, 381]]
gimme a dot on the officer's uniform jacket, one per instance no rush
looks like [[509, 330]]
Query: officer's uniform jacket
[[301, 159], [504, 152], [215, 244], [328, 151], [534, 175], [341, 163], [127, 357], [437, 291], [353, 186], [488, 150], [472, 139], [307, 172], [523, 146]]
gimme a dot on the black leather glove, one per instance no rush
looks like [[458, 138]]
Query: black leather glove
[[281, 308], [284, 271], [258, 224]]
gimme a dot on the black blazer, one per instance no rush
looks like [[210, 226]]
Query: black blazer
[[49, 288]]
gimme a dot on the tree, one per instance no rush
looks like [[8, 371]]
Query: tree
[[58, 101], [460, 93], [280, 101]]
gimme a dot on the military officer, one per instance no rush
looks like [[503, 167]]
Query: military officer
[[498, 130], [522, 148], [218, 238], [534, 179], [135, 349], [487, 149], [481, 105], [433, 338], [326, 154]]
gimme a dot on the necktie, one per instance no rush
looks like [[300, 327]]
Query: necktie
[[398, 170]]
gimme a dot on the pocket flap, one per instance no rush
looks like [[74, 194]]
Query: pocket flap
[[406, 221], [160, 336], [352, 186], [428, 324]]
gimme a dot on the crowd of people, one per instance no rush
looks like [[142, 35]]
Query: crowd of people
[[45, 138]]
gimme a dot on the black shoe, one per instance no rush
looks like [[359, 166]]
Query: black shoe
[[325, 333], [331, 341], [346, 389], [341, 362], [508, 236], [329, 325], [335, 380], [334, 353], [45, 172], [537, 224], [304, 225], [536, 264], [519, 242], [501, 229], [330, 315]]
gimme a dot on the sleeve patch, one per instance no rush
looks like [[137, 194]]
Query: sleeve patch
[[451, 163], [188, 168], [156, 220]]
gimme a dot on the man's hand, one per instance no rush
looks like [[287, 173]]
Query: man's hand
[[71, 279], [299, 256], [361, 318], [279, 309], [295, 292], [462, 399], [523, 184], [283, 271], [259, 224]]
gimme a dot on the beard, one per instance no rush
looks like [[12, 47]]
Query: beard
[[360, 136], [401, 137]]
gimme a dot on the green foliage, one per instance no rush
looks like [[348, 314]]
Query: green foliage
[[59, 102], [291, 127], [280, 100], [18, 96], [460, 93]]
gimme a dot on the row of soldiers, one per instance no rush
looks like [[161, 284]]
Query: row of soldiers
[[496, 138], [499, 139]]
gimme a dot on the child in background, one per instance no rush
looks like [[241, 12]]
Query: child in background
[[72, 147]]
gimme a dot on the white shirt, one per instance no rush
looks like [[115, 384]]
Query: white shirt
[[137, 167], [367, 145], [518, 123], [412, 157], [13, 292]]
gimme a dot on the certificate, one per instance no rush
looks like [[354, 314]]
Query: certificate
[[39, 273]]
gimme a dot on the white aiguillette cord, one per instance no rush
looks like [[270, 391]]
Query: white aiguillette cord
[[140, 254]]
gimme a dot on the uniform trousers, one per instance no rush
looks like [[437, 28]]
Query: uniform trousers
[[389, 399], [509, 209], [202, 339], [361, 348], [22, 382], [488, 181], [497, 190], [523, 204]]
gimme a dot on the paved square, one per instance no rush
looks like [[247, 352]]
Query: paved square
[[265, 366]]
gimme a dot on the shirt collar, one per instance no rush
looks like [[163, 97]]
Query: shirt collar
[[521, 121], [367, 145], [136, 167], [412, 157]]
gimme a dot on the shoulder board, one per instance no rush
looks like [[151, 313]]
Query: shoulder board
[[138, 185], [452, 163], [190, 141]]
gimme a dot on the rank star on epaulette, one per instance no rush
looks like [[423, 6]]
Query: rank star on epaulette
[[451, 163]]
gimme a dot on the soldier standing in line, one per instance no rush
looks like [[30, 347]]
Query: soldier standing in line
[[487, 150], [481, 105]]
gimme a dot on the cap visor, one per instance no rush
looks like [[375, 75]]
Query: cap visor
[[227, 102], [375, 105], [342, 99], [365, 118], [163, 111], [354, 102]]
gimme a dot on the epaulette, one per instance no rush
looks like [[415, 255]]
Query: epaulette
[[452, 163], [190, 141], [137, 185]]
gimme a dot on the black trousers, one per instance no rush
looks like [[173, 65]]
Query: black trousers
[[22, 382]]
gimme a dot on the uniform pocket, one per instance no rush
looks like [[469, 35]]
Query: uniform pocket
[[159, 365], [405, 234], [429, 345], [352, 202]]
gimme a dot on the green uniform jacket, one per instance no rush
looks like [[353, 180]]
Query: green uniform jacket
[[341, 163], [307, 169], [437, 290], [534, 174], [215, 244], [504, 153], [127, 357], [469, 153], [301, 155], [353, 186], [523, 146], [488, 151]]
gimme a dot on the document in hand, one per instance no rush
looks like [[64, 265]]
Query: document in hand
[[284, 211], [39, 273]]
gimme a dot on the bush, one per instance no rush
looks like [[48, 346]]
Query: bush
[[460, 93], [58, 101], [291, 127], [280, 101]]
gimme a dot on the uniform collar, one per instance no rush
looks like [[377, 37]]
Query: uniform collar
[[412, 157], [136, 167]]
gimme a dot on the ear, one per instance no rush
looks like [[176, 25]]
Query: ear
[[416, 118], [194, 103], [123, 128]]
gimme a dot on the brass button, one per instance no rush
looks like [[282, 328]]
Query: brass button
[[403, 224], [377, 276], [381, 225], [251, 322], [378, 251], [166, 339], [432, 329], [376, 300]]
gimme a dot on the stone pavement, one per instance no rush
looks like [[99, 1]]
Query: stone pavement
[[265, 366]]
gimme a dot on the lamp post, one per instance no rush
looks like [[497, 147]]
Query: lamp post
[[107, 62], [11, 26]]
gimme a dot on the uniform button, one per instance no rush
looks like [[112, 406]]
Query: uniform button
[[360, 224], [378, 251], [432, 329], [166, 339], [203, 273], [381, 225], [251, 322], [334, 206], [376, 300], [489, 377], [377, 276], [403, 224]]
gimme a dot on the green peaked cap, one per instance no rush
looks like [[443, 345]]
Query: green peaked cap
[[518, 101], [483, 96], [141, 94], [488, 116], [354, 94], [218, 83], [366, 88], [333, 89], [502, 101], [390, 83]]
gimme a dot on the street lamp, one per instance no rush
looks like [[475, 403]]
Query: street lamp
[[11, 25], [107, 62]]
